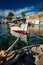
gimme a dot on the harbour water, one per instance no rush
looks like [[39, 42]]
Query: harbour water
[[6, 39]]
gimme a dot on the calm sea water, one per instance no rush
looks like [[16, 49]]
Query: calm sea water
[[6, 39]]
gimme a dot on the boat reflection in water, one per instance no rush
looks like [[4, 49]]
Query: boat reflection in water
[[22, 36]]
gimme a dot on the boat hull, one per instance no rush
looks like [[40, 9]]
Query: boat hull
[[20, 31], [22, 36]]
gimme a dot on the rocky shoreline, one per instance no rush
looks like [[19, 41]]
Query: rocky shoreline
[[29, 55]]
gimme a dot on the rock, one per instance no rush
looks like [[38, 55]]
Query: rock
[[40, 60], [2, 57], [2, 53], [33, 49], [41, 46], [38, 49], [36, 59]]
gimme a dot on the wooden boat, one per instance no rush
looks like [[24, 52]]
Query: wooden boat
[[22, 36], [22, 29]]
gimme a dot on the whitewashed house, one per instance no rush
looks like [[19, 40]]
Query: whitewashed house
[[36, 22]]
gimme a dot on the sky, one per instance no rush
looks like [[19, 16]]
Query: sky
[[17, 6]]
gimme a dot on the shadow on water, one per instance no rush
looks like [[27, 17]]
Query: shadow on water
[[6, 39]]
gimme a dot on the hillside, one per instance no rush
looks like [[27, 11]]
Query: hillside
[[37, 16]]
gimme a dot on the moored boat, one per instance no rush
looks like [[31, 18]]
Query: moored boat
[[22, 29]]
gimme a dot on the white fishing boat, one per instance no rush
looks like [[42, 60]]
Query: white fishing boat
[[22, 36], [22, 29]]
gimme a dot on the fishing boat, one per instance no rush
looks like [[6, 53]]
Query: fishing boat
[[22, 29], [22, 36]]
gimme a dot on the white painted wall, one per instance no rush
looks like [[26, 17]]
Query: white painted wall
[[36, 22]]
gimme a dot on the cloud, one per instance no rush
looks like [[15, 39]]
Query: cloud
[[5, 12], [30, 13], [24, 10], [17, 12], [1, 12]]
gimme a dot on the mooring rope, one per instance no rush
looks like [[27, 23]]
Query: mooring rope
[[11, 47]]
